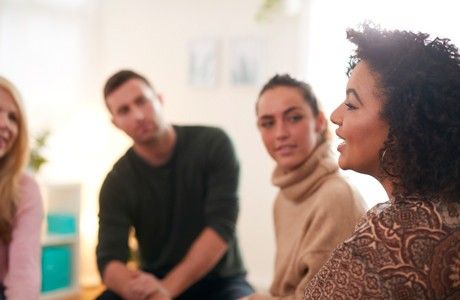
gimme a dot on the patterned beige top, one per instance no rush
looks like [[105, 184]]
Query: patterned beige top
[[409, 249]]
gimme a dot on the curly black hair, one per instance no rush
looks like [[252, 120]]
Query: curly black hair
[[419, 81]]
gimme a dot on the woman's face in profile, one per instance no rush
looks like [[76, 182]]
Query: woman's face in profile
[[287, 126], [9, 115], [360, 126]]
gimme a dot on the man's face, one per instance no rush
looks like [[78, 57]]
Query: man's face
[[137, 111]]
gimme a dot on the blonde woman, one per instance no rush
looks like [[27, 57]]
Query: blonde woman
[[20, 204]]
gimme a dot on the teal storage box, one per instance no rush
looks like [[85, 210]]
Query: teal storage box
[[56, 267], [61, 223]]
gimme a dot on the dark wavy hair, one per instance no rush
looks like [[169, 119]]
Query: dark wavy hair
[[419, 82]]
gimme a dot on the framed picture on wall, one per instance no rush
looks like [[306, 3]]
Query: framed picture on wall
[[245, 61], [203, 62]]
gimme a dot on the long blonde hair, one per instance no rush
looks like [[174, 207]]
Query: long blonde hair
[[11, 167]]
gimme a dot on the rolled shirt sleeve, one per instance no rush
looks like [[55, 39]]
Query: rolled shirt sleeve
[[221, 209], [114, 224]]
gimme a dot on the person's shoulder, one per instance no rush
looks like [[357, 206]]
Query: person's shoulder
[[124, 162], [29, 189], [338, 198], [27, 178], [422, 212], [339, 190], [208, 137], [449, 213], [409, 215], [122, 169], [202, 130], [28, 182]]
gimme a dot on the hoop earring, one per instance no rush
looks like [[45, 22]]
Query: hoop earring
[[382, 157]]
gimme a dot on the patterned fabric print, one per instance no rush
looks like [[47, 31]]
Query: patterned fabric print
[[407, 250]]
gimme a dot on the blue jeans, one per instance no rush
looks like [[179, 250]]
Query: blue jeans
[[228, 288]]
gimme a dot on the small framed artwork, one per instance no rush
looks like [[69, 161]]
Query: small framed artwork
[[245, 61], [203, 62]]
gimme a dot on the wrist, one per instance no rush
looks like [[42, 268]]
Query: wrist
[[167, 289]]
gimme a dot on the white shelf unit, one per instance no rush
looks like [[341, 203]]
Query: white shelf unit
[[63, 198]]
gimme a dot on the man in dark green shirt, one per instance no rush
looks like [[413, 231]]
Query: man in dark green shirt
[[177, 187]]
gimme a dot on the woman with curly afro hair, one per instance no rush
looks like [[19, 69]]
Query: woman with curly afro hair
[[400, 123]]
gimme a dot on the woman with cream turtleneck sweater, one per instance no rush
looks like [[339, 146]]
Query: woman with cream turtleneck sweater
[[316, 208]]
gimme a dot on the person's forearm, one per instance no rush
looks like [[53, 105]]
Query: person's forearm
[[117, 277], [204, 254]]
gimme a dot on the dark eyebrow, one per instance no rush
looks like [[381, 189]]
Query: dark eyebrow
[[292, 108], [140, 97], [265, 117], [287, 111], [355, 94]]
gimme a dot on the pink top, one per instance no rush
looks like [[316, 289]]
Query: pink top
[[20, 259]]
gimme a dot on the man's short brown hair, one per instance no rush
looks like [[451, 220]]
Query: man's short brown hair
[[120, 77]]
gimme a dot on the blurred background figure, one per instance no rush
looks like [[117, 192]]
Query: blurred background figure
[[21, 209], [177, 187], [316, 208]]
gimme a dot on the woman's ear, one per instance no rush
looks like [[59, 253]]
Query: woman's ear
[[160, 98], [320, 123]]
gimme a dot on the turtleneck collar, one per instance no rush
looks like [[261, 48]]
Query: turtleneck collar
[[303, 180]]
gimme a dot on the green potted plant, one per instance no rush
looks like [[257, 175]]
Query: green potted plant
[[36, 158], [267, 10], [271, 8]]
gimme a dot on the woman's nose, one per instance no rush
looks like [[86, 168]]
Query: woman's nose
[[336, 116], [3, 119], [281, 130]]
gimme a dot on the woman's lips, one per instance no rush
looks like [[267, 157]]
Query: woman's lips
[[3, 140], [285, 150], [341, 146]]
